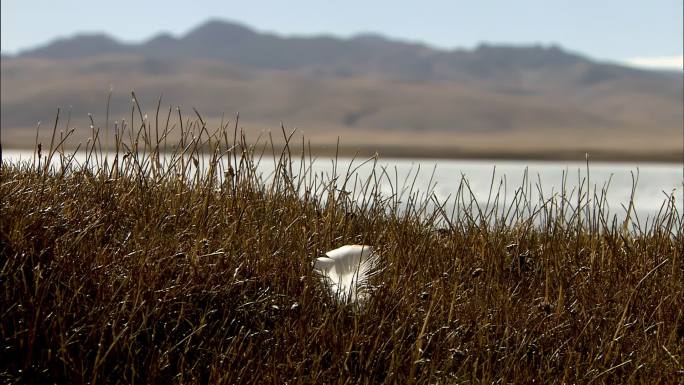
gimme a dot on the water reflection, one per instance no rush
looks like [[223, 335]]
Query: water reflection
[[490, 184]]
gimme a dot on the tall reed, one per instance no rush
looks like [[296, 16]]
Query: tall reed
[[181, 263]]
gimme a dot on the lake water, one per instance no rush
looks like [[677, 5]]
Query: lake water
[[656, 181]]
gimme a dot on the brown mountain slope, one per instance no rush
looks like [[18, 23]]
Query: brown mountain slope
[[404, 99]]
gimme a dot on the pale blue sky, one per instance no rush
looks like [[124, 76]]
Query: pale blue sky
[[616, 30]]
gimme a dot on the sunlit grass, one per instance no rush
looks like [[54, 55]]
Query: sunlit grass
[[140, 269]]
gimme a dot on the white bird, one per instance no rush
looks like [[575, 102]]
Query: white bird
[[346, 270]]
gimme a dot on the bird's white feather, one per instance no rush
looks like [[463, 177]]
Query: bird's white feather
[[346, 271]]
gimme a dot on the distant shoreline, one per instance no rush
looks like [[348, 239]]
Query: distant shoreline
[[450, 153], [466, 154]]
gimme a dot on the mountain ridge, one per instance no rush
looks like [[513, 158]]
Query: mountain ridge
[[359, 55], [374, 89]]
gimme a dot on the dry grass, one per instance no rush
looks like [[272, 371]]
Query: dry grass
[[143, 270]]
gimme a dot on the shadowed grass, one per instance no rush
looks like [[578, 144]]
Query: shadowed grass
[[193, 268]]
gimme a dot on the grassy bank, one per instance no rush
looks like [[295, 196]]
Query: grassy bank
[[135, 270]]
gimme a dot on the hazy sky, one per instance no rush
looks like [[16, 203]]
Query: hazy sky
[[618, 30]]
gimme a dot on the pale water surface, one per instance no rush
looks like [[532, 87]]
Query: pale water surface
[[656, 181]]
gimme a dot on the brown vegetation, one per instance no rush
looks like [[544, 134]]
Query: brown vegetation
[[135, 270]]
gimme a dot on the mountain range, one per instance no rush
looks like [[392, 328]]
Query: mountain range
[[370, 90]]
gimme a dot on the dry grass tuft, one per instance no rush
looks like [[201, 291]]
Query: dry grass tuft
[[192, 268]]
